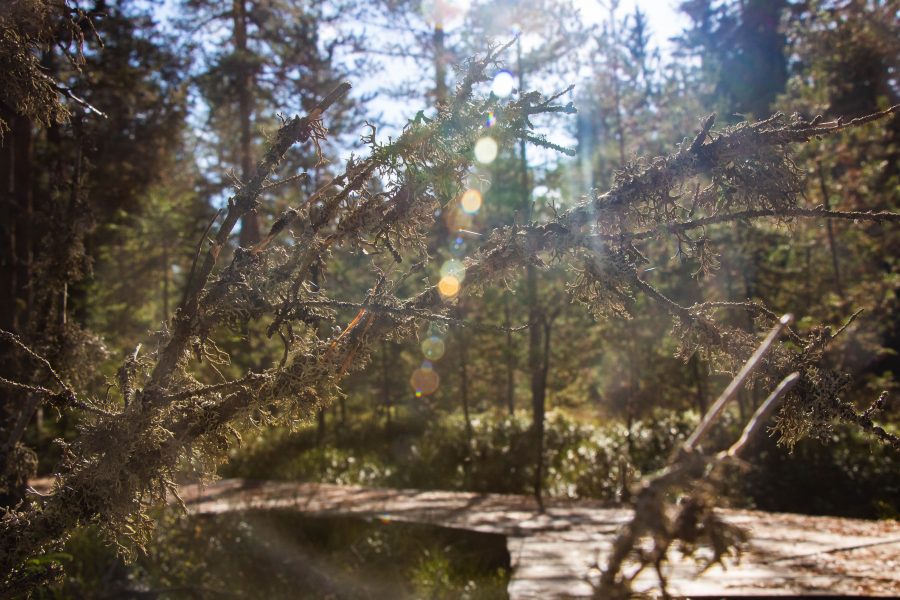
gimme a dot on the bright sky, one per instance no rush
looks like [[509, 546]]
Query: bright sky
[[663, 16]]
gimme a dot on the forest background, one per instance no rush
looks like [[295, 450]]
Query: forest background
[[166, 108]]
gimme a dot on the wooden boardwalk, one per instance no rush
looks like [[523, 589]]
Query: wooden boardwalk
[[554, 554]]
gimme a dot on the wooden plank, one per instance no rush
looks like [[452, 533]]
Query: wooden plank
[[558, 553]]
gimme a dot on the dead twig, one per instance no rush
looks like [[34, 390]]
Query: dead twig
[[686, 465]]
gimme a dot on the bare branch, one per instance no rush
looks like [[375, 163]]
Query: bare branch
[[719, 406], [807, 213], [15, 340], [762, 414], [848, 413], [295, 130], [405, 311]]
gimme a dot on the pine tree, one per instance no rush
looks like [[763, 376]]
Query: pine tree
[[256, 59], [741, 47]]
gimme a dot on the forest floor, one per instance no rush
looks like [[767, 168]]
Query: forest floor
[[556, 553]]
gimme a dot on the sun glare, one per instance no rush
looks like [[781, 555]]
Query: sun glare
[[486, 150]]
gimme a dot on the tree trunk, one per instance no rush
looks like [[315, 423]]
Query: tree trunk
[[538, 389], [250, 222], [7, 227], [16, 409], [9, 399], [320, 426], [165, 281], [510, 359], [617, 93], [440, 65], [832, 245], [461, 343], [22, 198], [535, 359], [698, 382], [386, 385], [464, 388]]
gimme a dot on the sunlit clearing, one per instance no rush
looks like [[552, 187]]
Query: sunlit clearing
[[445, 13], [448, 286], [424, 380], [503, 84], [433, 348], [486, 150], [453, 268], [471, 201]]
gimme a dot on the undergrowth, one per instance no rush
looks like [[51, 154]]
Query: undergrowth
[[583, 460]]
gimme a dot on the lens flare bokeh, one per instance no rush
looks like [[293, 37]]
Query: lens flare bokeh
[[486, 150], [433, 348], [503, 84], [448, 286], [471, 201], [424, 380], [453, 268]]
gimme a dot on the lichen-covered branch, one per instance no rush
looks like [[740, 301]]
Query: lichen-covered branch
[[124, 457], [123, 462]]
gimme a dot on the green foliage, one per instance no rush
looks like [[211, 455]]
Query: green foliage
[[851, 475], [845, 475], [582, 460]]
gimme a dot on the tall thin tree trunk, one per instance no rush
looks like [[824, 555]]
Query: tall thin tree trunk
[[748, 401], [698, 383], [440, 64], [22, 197], [538, 391], [832, 245], [534, 326], [464, 388], [9, 399], [320, 426], [807, 282], [386, 386], [16, 411], [510, 359], [7, 228], [75, 193], [165, 282], [617, 92], [443, 235], [250, 221], [625, 467], [463, 365]]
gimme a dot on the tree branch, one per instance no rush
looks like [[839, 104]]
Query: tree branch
[[808, 213]]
